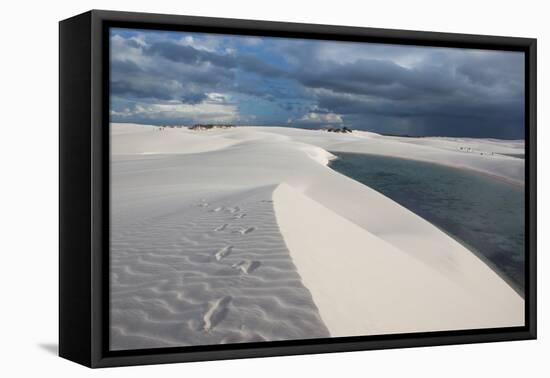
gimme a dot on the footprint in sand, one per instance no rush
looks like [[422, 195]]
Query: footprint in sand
[[232, 210], [223, 252], [244, 231], [222, 227], [247, 266], [216, 313]]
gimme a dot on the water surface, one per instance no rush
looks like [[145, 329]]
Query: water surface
[[484, 213]]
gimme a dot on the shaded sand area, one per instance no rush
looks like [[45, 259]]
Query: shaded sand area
[[245, 234]]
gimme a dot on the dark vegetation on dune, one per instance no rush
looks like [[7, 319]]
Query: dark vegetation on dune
[[338, 130], [210, 126]]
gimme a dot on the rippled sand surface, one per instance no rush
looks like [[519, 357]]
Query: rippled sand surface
[[217, 271]]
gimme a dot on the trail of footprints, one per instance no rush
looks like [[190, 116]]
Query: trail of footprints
[[218, 309], [245, 266], [212, 272]]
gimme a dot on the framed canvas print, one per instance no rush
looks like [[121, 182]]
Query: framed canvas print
[[233, 188]]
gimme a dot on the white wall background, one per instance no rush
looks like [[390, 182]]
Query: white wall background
[[28, 211]]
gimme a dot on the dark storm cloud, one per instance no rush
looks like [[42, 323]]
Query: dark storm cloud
[[252, 64], [384, 88], [139, 85], [134, 89], [184, 68], [449, 116], [126, 66], [193, 98], [465, 96], [191, 55], [381, 78], [161, 82]]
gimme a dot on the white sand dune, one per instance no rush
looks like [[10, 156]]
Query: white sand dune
[[136, 139], [490, 156], [245, 234], [362, 284]]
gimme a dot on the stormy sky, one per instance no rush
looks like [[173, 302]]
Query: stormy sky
[[179, 78]]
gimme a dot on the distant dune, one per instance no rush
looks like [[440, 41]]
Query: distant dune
[[244, 234]]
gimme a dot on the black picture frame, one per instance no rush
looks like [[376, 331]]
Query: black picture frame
[[84, 188]]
